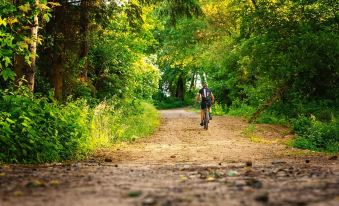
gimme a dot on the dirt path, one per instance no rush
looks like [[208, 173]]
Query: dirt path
[[181, 164]]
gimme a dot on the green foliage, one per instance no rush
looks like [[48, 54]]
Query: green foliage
[[15, 37], [118, 58], [162, 101], [146, 78], [171, 103], [219, 109], [301, 125], [36, 130], [245, 50], [280, 42], [137, 121], [241, 109], [316, 135], [116, 121], [271, 117], [253, 50], [9, 40]]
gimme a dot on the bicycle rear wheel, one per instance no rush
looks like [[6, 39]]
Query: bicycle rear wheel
[[206, 119]]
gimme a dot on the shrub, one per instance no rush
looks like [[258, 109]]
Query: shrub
[[316, 135], [241, 109], [36, 130], [302, 125], [219, 109], [271, 117]]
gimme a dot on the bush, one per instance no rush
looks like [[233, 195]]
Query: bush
[[271, 117], [302, 125], [241, 109], [219, 109], [316, 135], [36, 130]]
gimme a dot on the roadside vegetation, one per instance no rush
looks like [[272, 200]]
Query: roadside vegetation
[[78, 75], [82, 81], [268, 61]]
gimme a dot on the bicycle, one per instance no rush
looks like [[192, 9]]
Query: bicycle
[[206, 118]]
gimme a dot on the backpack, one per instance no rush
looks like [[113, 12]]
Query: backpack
[[206, 94]]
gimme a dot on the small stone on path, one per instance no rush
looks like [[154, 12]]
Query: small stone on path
[[149, 201], [275, 162], [108, 160], [263, 197], [254, 183]]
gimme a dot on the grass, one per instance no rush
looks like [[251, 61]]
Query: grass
[[129, 122], [143, 124], [250, 133]]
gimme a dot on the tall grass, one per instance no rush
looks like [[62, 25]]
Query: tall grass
[[124, 121]]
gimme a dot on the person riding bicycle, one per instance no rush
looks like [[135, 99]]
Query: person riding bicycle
[[206, 97]]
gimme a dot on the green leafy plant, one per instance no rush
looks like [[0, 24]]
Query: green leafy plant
[[315, 135]]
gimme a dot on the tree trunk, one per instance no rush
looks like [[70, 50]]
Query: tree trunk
[[180, 88], [269, 102], [192, 85], [58, 76], [84, 47], [19, 66], [33, 47]]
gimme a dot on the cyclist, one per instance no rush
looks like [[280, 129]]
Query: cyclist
[[206, 97]]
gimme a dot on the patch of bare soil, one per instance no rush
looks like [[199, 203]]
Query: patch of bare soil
[[182, 164]]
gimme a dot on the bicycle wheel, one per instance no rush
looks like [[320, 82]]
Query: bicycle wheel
[[206, 119]]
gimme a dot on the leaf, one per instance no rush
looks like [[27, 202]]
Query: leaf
[[134, 193], [27, 40], [7, 61], [3, 21], [43, 7], [28, 59], [210, 178], [8, 41], [18, 193], [47, 17], [26, 27], [232, 173], [8, 74], [25, 8], [10, 121], [12, 20], [22, 45], [54, 183], [53, 4]]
